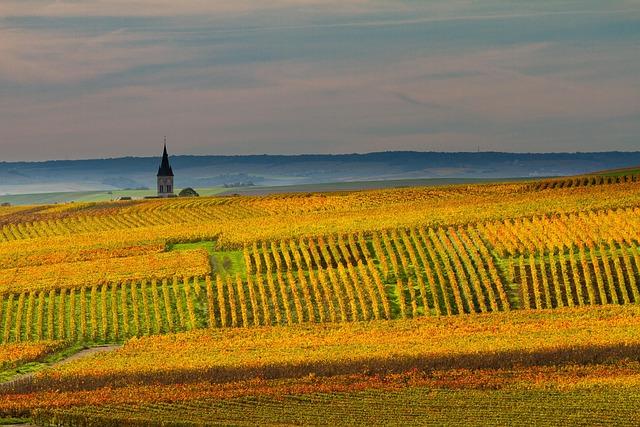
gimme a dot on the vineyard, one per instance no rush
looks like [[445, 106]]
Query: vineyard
[[103, 313], [379, 347], [196, 288], [585, 181], [72, 274], [495, 352], [586, 258], [407, 406]]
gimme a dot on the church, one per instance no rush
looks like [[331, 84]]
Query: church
[[165, 175]]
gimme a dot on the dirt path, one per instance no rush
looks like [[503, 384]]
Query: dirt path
[[79, 355], [87, 352]]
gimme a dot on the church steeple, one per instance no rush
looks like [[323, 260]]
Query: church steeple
[[165, 175], [165, 167]]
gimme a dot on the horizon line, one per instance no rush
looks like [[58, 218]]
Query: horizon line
[[541, 153]]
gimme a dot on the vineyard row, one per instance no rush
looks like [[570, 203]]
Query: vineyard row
[[584, 181], [544, 234], [440, 272], [607, 274]]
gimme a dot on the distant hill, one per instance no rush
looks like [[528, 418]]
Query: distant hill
[[275, 170]]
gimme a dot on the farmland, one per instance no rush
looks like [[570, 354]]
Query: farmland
[[350, 299], [407, 406]]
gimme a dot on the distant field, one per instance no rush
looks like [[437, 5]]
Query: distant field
[[363, 185], [619, 172], [101, 196], [89, 196]]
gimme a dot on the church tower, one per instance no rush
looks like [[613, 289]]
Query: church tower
[[165, 175]]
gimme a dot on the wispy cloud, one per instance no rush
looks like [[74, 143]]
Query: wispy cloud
[[34, 57], [64, 8], [105, 78]]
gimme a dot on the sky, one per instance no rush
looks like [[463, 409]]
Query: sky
[[111, 78]]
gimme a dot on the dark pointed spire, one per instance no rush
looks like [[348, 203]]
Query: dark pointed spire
[[165, 167]]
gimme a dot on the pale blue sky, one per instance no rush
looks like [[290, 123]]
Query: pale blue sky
[[94, 78]]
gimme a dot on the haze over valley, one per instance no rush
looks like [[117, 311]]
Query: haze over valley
[[271, 170]]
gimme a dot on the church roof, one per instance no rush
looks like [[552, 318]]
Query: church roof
[[165, 167]]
